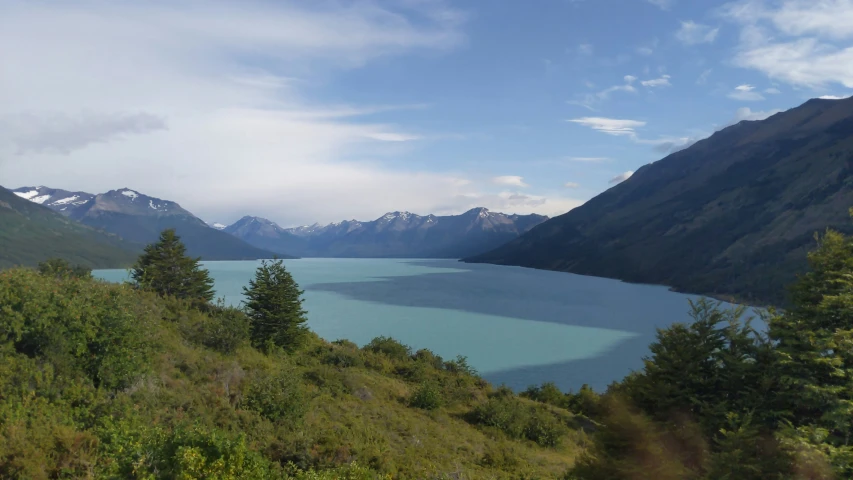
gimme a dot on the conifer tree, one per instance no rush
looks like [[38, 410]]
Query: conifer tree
[[815, 343], [165, 268], [274, 307]]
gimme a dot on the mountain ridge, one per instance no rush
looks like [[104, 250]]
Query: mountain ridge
[[31, 233], [139, 219], [396, 234], [731, 216]]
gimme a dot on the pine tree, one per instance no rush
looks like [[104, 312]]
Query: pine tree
[[275, 307], [815, 343], [165, 268]]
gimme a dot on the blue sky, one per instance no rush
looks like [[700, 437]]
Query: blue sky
[[319, 111]]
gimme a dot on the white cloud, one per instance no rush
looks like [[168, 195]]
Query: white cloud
[[772, 91], [589, 159], [692, 33], [585, 49], [572, 185], [590, 99], [202, 103], [745, 93], [663, 81], [621, 177], [629, 79], [63, 133], [834, 97], [796, 41], [611, 126], [510, 180], [745, 113], [663, 4], [645, 50]]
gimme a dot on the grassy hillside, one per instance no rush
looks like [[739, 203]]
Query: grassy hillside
[[30, 233], [105, 381]]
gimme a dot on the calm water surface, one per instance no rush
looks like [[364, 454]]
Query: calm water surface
[[516, 326]]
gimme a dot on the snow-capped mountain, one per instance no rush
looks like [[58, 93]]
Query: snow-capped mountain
[[56, 199], [139, 219], [395, 234]]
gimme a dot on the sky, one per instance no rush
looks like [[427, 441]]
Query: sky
[[324, 110]]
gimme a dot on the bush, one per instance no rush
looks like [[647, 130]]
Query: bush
[[389, 347], [509, 415], [223, 330], [547, 393], [460, 365], [82, 327], [429, 358], [427, 396], [57, 267], [277, 397], [343, 357]]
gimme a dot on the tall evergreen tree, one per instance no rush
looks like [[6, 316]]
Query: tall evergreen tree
[[275, 307], [165, 268], [815, 345]]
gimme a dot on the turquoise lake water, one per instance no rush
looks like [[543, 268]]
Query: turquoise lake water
[[517, 326]]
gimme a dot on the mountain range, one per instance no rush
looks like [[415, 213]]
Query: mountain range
[[394, 235], [731, 216], [30, 233], [139, 219]]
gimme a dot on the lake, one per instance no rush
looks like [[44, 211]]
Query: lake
[[517, 326]]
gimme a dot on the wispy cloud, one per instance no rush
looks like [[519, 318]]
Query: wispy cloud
[[795, 41], [703, 77], [745, 93], [65, 133], [224, 82], [621, 177], [572, 185], [835, 97], [663, 4], [611, 126], [510, 181], [692, 33], [663, 81]]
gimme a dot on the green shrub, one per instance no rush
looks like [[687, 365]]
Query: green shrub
[[81, 326], [547, 393], [224, 329], [511, 416], [343, 357], [57, 267], [427, 396], [389, 347], [278, 397], [427, 357], [544, 429], [460, 365]]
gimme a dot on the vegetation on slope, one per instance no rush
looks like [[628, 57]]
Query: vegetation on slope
[[103, 380], [718, 400], [733, 216], [30, 233]]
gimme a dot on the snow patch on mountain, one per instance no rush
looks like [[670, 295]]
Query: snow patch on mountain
[[130, 194]]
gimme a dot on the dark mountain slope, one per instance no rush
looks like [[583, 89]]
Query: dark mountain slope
[[139, 218], [31, 233], [732, 215], [394, 235]]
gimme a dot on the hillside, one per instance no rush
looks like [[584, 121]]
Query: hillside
[[31, 233], [731, 216], [395, 234], [139, 218], [180, 393]]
